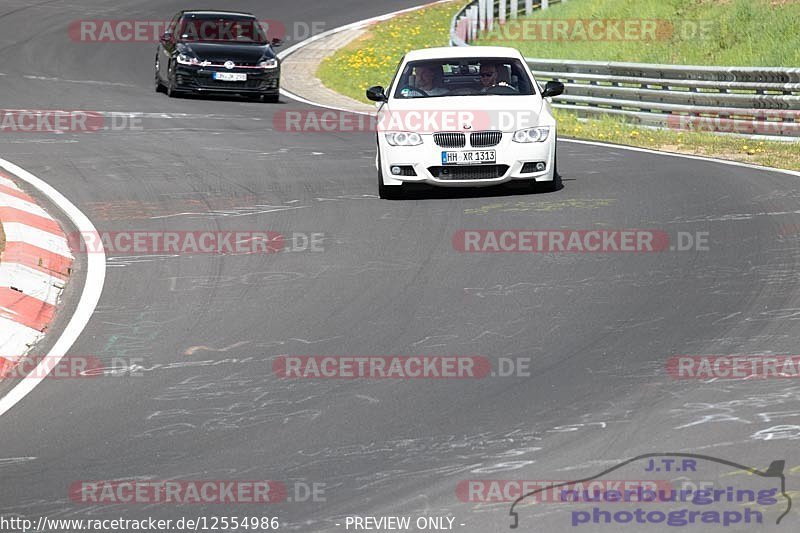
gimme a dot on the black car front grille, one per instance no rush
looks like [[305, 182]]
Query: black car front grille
[[469, 172], [482, 139], [207, 82], [450, 140]]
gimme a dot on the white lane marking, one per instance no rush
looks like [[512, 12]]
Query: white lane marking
[[92, 289]]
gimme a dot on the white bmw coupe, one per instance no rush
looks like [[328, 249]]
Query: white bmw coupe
[[465, 117]]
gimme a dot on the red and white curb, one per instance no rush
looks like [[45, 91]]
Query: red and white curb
[[37, 262], [34, 267]]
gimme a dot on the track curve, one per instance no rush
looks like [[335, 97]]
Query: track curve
[[598, 327]]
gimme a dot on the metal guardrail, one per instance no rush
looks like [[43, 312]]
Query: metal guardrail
[[744, 100]]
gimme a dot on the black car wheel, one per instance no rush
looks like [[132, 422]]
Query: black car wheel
[[159, 85], [172, 92]]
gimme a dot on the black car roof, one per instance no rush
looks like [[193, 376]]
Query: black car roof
[[220, 13]]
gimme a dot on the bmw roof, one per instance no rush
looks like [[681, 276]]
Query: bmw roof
[[447, 52], [220, 13]]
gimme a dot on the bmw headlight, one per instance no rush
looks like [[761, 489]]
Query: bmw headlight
[[268, 63], [186, 59], [531, 135], [403, 138]]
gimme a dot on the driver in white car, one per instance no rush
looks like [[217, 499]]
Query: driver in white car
[[490, 77]]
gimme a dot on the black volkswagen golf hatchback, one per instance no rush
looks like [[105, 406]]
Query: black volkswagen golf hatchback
[[217, 52]]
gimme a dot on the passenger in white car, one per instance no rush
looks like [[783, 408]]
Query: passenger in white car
[[430, 78]]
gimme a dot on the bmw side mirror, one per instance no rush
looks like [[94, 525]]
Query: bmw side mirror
[[376, 94], [276, 42], [553, 88]]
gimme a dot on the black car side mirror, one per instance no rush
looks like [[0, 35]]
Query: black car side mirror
[[376, 94], [276, 42], [553, 88], [166, 37]]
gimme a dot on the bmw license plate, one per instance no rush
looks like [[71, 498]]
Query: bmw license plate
[[230, 76], [469, 157]]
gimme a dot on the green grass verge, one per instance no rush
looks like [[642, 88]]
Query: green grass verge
[[688, 32], [372, 60]]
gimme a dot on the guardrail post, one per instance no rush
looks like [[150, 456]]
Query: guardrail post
[[489, 14], [473, 22], [545, 4], [482, 15], [501, 14], [514, 8], [528, 7]]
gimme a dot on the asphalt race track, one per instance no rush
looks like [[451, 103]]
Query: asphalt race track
[[598, 327]]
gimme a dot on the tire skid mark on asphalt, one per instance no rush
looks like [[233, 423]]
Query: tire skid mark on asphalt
[[541, 205], [244, 211], [210, 206], [194, 349], [85, 82], [281, 279], [11, 461], [130, 260], [133, 332]]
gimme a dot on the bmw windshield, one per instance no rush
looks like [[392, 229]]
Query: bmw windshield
[[464, 77]]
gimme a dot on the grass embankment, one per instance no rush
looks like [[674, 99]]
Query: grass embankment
[[687, 32], [372, 60]]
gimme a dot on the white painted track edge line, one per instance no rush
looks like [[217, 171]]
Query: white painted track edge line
[[92, 289]]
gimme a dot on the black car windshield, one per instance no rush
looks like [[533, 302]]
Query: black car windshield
[[464, 77], [213, 28]]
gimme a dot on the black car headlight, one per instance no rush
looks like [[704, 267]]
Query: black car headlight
[[186, 59], [268, 63]]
